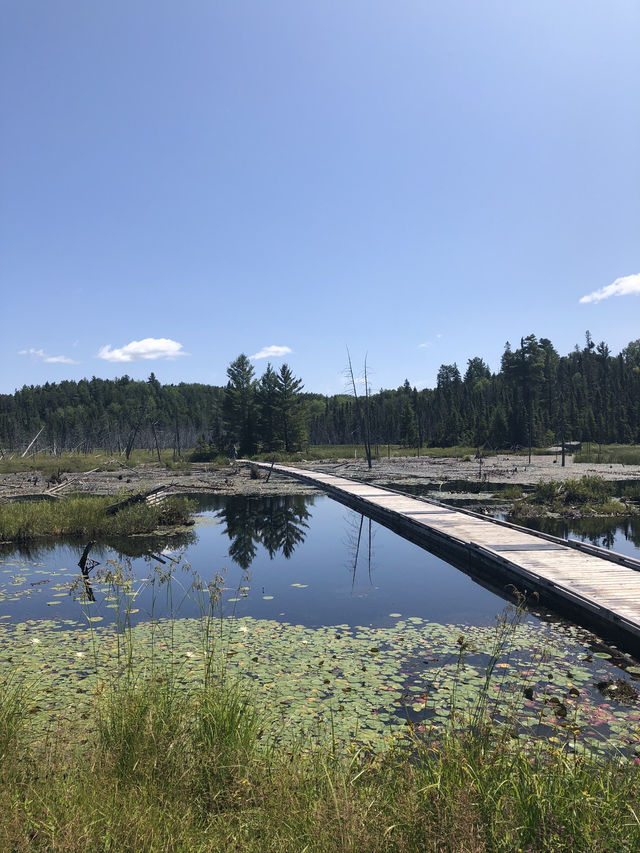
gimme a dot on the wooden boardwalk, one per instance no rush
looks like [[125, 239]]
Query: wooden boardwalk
[[599, 588]]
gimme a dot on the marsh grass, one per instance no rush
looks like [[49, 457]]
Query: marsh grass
[[168, 772], [381, 451], [21, 521], [612, 454], [55, 464], [161, 766], [588, 495]]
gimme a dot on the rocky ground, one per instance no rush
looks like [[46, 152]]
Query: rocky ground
[[236, 478]]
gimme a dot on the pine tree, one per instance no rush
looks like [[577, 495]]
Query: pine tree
[[240, 404], [291, 410]]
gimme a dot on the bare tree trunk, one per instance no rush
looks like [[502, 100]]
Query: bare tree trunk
[[362, 416], [155, 437], [31, 443]]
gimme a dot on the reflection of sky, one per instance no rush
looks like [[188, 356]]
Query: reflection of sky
[[399, 577], [316, 585]]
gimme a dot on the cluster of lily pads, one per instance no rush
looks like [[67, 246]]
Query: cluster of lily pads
[[359, 685]]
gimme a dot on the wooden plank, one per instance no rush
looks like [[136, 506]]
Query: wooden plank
[[591, 579]]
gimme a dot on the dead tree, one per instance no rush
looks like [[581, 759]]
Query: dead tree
[[362, 408]]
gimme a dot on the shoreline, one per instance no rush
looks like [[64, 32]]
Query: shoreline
[[235, 479]]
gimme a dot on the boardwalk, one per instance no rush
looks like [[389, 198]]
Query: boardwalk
[[600, 589]]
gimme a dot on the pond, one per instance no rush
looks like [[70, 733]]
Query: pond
[[302, 559], [336, 618]]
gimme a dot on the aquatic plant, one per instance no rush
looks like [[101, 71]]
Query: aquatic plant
[[22, 521]]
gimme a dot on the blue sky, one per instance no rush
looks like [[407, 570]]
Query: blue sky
[[418, 181]]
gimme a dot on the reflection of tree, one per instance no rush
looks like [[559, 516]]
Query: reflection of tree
[[125, 548], [632, 531], [277, 523], [596, 530], [354, 541]]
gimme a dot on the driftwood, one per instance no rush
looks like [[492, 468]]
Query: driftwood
[[54, 490], [86, 564], [153, 496], [31, 443]]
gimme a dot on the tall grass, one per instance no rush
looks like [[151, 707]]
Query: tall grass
[[169, 771], [163, 767], [69, 462], [620, 454], [86, 516]]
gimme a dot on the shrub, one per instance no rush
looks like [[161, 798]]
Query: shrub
[[586, 489], [546, 492]]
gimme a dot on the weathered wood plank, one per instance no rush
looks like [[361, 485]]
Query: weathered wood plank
[[591, 579]]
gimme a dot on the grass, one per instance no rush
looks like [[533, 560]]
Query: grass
[[382, 451], [588, 495], [22, 521], [613, 454], [155, 765], [189, 770], [50, 465]]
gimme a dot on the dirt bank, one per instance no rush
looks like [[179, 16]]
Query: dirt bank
[[503, 469], [236, 478]]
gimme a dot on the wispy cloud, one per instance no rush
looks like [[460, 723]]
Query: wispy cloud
[[41, 355], [271, 352], [428, 344], [620, 287], [146, 349]]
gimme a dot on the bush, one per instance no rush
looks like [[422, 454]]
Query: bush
[[587, 489], [546, 492]]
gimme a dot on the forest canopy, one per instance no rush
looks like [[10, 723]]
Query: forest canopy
[[536, 397]]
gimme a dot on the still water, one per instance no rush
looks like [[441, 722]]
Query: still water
[[306, 560], [301, 559], [331, 609]]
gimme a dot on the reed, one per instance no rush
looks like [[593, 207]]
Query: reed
[[163, 766], [22, 521]]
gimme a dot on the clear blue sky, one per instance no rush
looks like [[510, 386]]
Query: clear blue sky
[[420, 181]]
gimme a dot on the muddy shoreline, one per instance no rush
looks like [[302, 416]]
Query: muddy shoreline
[[236, 479]]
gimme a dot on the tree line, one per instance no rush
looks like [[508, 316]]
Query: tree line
[[537, 398]]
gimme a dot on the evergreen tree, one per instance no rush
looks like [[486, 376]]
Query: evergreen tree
[[291, 409], [267, 397], [240, 404]]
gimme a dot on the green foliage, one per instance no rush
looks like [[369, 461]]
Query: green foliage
[[613, 454], [511, 493], [159, 760], [12, 722], [538, 397], [140, 730], [588, 489], [546, 492], [21, 521], [589, 495], [240, 405], [226, 738]]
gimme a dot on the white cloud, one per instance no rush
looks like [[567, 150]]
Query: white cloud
[[271, 352], [429, 344], [59, 359], [149, 348], [48, 359], [620, 287]]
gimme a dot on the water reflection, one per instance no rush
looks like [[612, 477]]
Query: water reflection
[[605, 532], [354, 542], [125, 548], [279, 524]]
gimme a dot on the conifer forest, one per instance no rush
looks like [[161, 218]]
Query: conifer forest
[[538, 398]]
